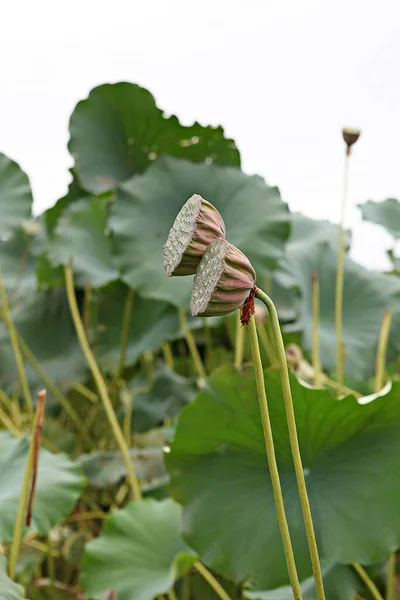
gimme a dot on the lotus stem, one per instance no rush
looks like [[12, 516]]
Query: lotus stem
[[186, 587], [316, 361], [8, 424], [209, 577], [126, 323], [168, 356], [208, 342], [294, 443], [192, 345], [266, 343], [239, 343], [272, 464], [340, 277], [171, 594], [37, 435], [20, 517], [6, 313], [382, 348], [363, 575], [391, 577], [100, 383]]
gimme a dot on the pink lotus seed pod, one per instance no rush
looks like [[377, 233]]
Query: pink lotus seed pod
[[350, 136], [223, 282], [197, 225]]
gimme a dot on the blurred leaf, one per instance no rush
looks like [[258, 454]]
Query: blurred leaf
[[43, 321], [105, 468], [18, 265], [257, 221], [8, 589], [75, 193], [218, 469], [118, 131], [15, 196], [152, 323], [59, 485], [168, 394], [340, 583], [386, 214], [81, 234], [143, 550], [366, 296]]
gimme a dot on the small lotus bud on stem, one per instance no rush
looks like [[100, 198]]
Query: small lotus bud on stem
[[224, 281], [350, 136], [197, 225]]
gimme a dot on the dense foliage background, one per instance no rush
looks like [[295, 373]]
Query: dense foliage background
[[196, 447]]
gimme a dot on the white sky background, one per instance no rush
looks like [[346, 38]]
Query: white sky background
[[282, 77]]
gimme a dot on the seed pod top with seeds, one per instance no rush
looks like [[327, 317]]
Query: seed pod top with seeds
[[197, 225], [223, 282]]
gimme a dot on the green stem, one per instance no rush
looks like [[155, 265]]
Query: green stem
[[391, 577], [363, 575], [171, 594], [294, 443], [209, 577], [209, 346], [126, 323], [272, 464], [340, 278], [168, 356], [239, 342], [186, 587], [15, 346], [192, 345], [266, 343], [20, 518], [8, 424], [100, 383], [382, 347], [316, 361]]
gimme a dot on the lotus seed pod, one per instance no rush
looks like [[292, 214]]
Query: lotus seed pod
[[350, 136], [223, 282], [197, 225]]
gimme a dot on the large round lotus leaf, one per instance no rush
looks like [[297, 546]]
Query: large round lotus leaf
[[385, 213], [18, 265], [118, 131], [152, 323], [366, 296], [43, 321], [8, 589], [340, 583], [59, 485], [15, 196], [218, 469], [257, 221], [139, 554], [80, 234]]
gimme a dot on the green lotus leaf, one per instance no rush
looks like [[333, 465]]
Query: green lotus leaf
[[152, 323], [386, 214], [218, 469], [59, 485], [168, 394], [8, 589], [43, 321], [366, 296], [340, 583], [18, 265], [15, 196], [105, 468], [118, 131], [256, 219], [142, 550], [80, 234]]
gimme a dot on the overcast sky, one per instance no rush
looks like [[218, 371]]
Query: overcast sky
[[282, 77]]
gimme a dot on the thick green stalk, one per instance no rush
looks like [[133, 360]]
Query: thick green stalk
[[381, 354], [363, 575], [6, 314], [239, 342], [209, 577], [272, 464], [100, 383], [294, 443], [340, 278], [168, 356], [192, 345], [391, 577], [316, 361]]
